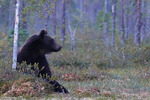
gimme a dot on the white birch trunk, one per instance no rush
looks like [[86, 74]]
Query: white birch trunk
[[16, 35], [72, 33]]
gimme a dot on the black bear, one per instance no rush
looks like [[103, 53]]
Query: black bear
[[34, 50]]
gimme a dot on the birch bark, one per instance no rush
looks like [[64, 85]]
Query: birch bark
[[16, 35]]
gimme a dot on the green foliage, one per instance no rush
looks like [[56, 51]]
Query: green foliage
[[100, 21], [101, 18], [5, 48], [22, 36], [43, 7], [70, 59], [4, 3], [142, 55]]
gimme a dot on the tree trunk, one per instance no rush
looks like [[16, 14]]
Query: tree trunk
[[138, 23], [16, 35], [122, 27], [144, 20], [122, 22], [54, 21], [127, 19], [63, 25], [106, 24], [113, 22], [72, 32]]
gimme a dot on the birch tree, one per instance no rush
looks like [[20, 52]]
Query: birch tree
[[72, 32], [16, 35]]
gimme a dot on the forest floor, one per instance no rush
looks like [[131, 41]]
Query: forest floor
[[91, 83], [89, 72]]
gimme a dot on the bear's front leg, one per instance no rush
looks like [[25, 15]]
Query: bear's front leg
[[58, 88], [46, 74]]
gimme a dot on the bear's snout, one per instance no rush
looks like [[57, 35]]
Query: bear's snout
[[57, 48]]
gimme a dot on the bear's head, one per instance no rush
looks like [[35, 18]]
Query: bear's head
[[40, 44], [47, 44]]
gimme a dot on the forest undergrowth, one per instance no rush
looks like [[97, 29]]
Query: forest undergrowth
[[91, 71]]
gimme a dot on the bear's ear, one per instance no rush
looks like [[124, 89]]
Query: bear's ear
[[43, 33]]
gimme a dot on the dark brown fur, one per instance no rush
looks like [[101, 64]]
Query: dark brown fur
[[34, 50]]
